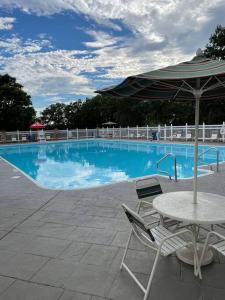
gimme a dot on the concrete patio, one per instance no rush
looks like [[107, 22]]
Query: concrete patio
[[68, 245]]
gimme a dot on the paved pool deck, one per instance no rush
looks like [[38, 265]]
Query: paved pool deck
[[68, 245]]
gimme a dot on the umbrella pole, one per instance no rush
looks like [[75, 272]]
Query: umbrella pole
[[195, 180]]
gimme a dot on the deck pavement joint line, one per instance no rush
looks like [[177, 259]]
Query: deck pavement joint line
[[33, 213], [4, 290], [60, 296], [30, 281]]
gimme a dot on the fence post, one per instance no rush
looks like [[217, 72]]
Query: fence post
[[186, 131], [171, 131], [128, 134], [147, 132], [77, 134], [113, 132], [86, 133], [67, 133], [223, 134], [159, 131], [164, 132], [120, 133], [18, 136], [203, 132], [137, 132]]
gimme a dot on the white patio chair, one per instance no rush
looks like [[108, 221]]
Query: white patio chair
[[48, 137], [24, 139], [14, 139], [218, 245], [159, 239], [214, 137], [147, 189], [179, 136], [188, 136]]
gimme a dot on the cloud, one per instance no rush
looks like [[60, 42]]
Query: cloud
[[6, 23], [155, 19], [50, 73], [15, 45], [158, 33], [101, 39]]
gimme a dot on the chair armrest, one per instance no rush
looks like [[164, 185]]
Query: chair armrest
[[146, 203], [176, 234], [216, 234]]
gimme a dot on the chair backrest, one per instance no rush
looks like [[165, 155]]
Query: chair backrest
[[148, 188], [178, 135], [138, 225], [214, 136]]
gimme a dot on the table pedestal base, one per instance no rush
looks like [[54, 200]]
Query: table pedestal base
[[186, 255]]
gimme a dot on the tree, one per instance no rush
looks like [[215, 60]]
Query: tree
[[16, 110], [215, 49], [54, 116], [72, 111], [96, 111]]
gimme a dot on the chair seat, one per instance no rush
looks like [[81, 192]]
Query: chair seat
[[171, 245], [219, 246]]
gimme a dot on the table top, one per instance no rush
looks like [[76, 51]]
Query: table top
[[210, 208]]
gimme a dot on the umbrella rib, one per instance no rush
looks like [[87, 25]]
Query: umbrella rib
[[185, 82], [207, 81], [214, 86], [177, 92], [174, 87], [221, 82]]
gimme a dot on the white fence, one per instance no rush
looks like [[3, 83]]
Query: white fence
[[166, 133]]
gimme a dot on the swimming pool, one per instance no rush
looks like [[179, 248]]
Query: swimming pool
[[89, 163]]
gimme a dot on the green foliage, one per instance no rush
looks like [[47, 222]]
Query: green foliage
[[54, 116], [215, 49], [16, 110], [93, 112]]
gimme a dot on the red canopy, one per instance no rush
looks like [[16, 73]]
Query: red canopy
[[37, 125]]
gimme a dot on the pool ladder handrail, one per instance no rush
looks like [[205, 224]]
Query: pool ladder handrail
[[217, 157], [175, 165]]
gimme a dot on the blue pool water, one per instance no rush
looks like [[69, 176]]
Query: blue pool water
[[81, 164]]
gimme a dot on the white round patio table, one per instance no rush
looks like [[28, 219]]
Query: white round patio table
[[209, 210]]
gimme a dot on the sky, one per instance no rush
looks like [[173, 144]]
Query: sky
[[63, 50]]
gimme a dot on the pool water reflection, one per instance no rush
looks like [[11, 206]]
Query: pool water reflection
[[82, 164]]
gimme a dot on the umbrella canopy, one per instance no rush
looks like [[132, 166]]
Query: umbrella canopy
[[200, 78], [37, 125], [109, 123]]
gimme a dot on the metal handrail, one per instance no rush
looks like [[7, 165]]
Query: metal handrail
[[217, 157], [175, 165]]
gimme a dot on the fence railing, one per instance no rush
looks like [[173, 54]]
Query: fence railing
[[165, 132]]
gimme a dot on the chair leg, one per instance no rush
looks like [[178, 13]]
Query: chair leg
[[203, 254], [151, 275], [129, 238], [197, 268], [127, 246]]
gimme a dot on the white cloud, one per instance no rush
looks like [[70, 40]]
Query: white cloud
[[56, 72], [161, 32], [101, 39], [155, 19], [6, 23], [14, 45], [50, 73]]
